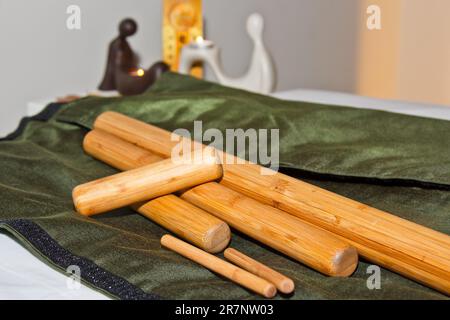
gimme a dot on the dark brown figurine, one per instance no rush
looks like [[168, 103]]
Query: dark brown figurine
[[122, 71]]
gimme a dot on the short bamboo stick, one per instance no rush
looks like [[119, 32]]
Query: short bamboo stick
[[302, 241], [144, 183], [228, 270], [395, 243], [188, 222], [283, 283], [180, 217]]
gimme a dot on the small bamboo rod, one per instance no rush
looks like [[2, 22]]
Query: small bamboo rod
[[144, 183], [302, 241], [226, 269], [188, 222], [413, 250], [180, 217], [283, 283]]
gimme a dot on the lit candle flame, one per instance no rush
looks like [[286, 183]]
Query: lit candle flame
[[140, 72], [199, 40]]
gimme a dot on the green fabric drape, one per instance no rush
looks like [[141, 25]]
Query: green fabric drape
[[394, 162]]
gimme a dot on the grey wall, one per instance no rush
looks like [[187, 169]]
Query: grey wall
[[313, 43]]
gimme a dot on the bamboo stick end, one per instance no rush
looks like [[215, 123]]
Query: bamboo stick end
[[218, 238], [76, 202], [344, 262], [269, 291], [286, 286]]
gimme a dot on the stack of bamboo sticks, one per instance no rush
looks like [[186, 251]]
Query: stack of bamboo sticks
[[314, 226]]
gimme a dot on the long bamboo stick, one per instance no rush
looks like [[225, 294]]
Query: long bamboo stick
[[395, 243], [300, 240], [226, 269]]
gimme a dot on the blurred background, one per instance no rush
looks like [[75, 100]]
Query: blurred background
[[318, 44]]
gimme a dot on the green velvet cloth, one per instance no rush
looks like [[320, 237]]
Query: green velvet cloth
[[393, 162]]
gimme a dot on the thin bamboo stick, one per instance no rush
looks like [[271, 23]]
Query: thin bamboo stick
[[226, 269], [400, 245], [283, 283]]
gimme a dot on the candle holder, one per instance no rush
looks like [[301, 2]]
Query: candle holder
[[260, 76], [122, 72]]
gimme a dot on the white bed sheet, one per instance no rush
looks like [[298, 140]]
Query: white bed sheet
[[24, 276], [351, 100]]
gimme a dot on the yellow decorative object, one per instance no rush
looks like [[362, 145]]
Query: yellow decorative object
[[182, 24]]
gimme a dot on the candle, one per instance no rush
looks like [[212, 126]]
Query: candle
[[137, 73], [201, 43]]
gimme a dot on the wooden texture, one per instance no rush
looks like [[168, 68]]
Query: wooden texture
[[185, 220], [283, 283], [297, 239], [302, 241], [116, 152], [144, 183], [228, 270], [188, 222], [395, 243]]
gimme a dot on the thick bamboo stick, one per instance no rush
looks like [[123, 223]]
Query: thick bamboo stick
[[395, 243], [144, 183], [226, 269], [302, 241], [283, 283], [182, 218], [188, 222]]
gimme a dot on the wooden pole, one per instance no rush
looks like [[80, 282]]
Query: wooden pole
[[283, 283], [226, 269], [395, 243], [302, 241], [144, 183], [180, 217]]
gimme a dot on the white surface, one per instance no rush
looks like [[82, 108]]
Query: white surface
[[34, 107], [23, 276], [351, 100]]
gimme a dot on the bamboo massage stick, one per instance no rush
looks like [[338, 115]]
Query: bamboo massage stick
[[410, 249], [281, 282], [182, 218], [144, 183], [226, 269], [188, 222], [300, 240]]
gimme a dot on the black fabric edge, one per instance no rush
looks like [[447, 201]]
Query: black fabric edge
[[44, 115], [388, 182], [61, 257]]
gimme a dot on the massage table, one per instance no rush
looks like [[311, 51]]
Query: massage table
[[24, 276]]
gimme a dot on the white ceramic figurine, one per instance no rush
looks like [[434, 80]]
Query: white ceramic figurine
[[260, 76]]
